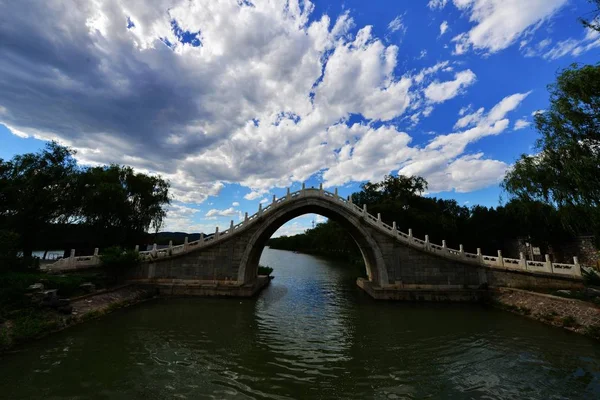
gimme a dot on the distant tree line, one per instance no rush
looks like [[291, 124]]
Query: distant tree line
[[46, 194]]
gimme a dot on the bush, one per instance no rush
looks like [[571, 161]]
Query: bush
[[569, 321], [118, 258], [266, 271]]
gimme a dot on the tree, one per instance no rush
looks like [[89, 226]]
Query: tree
[[594, 22], [37, 189], [566, 170], [119, 200]]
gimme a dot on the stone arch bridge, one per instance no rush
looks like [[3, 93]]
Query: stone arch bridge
[[398, 265]]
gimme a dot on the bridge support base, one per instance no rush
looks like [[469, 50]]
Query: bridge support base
[[184, 287], [429, 293]]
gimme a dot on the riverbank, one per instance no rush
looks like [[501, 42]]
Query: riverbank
[[36, 323], [574, 315]]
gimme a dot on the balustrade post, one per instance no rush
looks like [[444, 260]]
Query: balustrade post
[[287, 195], [231, 226], [154, 250], [303, 187], [96, 252], [260, 211], [185, 243], [137, 248], [427, 242], [364, 210], [522, 260], [577, 267], [444, 245], [500, 259], [479, 255], [321, 189], [410, 234], [216, 232], [350, 199], [394, 226], [548, 263], [461, 249], [170, 244], [378, 217], [274, 198], [201, 237], [336, 193], [246, 216]]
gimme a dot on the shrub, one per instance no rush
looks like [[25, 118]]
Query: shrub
[[593, 331], [266, 271], [569, 321], [118, 258]]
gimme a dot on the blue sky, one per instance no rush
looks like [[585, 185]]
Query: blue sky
[[233, 101]]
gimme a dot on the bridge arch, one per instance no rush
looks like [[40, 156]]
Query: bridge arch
[[371, 253]]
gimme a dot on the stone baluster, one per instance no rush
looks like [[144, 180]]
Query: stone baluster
[[137, 248], [364, 210], [287, 195], [260, 211], [479, 255], [154, 250], [231, 226], [185, 243], [444, 246], [216, 232], [350, 199], [170, 244], [246, 216], [274, 198], [410, 234], [394, 227], [303, 187], [461, 250], [96, 252], [500, 259], [427, 242], [576, 267], [201, 237], [336, 193], [378, 217]]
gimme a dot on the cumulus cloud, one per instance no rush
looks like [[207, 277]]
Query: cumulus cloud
[[214, 91], [235, 204], [443, 161], [438, 92], [499, 23]]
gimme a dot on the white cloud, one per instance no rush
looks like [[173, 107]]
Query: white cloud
[[396, 24], [499, 23], [574, 47], [229, 212], [264, 201], [536, 112], [235, 204], [443, 162], [521, 124], [262, 101], [438, 92], [443, 27], [433, 4]]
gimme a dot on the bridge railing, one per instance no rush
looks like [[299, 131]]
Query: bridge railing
[[498, 261]]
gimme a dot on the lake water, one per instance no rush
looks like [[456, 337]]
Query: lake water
[[311, 334]]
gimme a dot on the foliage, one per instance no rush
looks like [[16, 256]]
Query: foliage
[[117, 197], [265, 271], [118, 258], [31, 324], [36, 189], [9, 250], [566, 170], [39, 191], [569, 321], [594, 22]]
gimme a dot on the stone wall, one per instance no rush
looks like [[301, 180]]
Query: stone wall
[[575, 315]]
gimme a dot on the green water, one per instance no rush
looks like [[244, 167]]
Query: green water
[[311, 334]]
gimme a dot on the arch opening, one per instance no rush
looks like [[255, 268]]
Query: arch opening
[[367, 246]]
